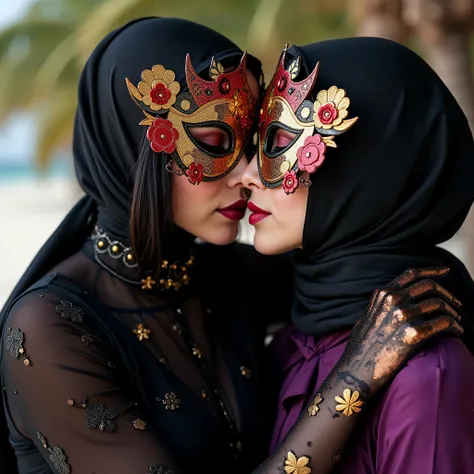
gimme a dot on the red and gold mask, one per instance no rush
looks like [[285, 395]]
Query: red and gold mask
[[226, 102], [314, 125]]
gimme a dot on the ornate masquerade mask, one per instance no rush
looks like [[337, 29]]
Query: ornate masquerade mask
[[313, 126], [225, 102]]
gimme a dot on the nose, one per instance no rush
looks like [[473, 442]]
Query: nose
[[234, 178], [250, 177]]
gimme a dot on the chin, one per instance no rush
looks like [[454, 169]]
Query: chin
[[222, 236], [268, 246]]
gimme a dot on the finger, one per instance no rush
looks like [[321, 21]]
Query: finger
[[433, 305], [425, 287], [423, 332], [412, 274]]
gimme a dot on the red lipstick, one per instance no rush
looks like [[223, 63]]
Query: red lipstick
[[236, 211], [257, 214]]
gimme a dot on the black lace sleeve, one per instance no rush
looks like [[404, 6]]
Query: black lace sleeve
[[64, 393]]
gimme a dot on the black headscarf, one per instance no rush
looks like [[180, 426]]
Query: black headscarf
[[400, 182], [107, 134]]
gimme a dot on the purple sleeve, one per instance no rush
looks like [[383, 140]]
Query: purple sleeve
[[426, 423]]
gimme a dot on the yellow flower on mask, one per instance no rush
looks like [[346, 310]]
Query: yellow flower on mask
[[159, 88], [330, 108]]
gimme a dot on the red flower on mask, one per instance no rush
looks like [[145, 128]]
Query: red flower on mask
[[195, 173], [160, 94], [311, 154], [290, 182], [327, 113], [162, 136]]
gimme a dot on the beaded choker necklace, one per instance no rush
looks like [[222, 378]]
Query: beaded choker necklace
[[119, 260]]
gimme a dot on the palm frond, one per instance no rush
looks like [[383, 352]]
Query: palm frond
[[56, 126]]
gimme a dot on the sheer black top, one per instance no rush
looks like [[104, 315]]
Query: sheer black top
[[102, 377]]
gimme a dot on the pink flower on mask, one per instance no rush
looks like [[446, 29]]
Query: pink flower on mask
[[290, 182], [311, 154]]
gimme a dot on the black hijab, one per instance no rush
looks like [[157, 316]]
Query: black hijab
[[106, 131], [400, 182], [107, 136]]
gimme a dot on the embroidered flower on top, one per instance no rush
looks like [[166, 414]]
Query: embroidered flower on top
[[158, 468], [142, 332], [99, 416], [171, 401], [56, 456], [313, 409], [70, 312], [295, 465], [350, 403], [15, 341]]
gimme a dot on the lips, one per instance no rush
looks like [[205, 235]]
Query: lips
[[257, 214], [236, 211]]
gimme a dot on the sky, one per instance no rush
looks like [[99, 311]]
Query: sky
[[13, 146]]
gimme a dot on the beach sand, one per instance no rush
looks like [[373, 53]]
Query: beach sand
[[31, 209]]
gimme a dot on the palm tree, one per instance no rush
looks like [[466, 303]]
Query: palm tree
[[444, 28]]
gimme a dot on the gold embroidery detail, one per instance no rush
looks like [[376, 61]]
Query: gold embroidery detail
[[314, 408], [171, 401], [235, 105], [139, 424], [350, 403], [294, 465], [15, 345], [197, 352], [148, 283], [294, 68], [142, 332], [247, 373], [216, 69]]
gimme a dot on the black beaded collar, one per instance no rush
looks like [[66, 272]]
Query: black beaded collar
[[119, 260]]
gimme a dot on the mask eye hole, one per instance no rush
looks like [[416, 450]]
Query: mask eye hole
[[279, 139], [214, 138]]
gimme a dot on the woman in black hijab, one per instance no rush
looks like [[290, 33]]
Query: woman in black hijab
[[126, 347], [366, 163]]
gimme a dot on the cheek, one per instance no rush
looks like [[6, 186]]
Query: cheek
[[284, 230], [192, 204]]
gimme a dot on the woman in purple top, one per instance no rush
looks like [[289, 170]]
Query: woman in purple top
[[397, 182]]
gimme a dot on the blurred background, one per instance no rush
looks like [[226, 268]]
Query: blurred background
[[44, 44]]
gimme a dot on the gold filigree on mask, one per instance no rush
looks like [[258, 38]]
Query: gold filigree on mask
[[314, 124], [226, 102]]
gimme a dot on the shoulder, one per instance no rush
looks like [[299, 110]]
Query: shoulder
[[43, 318], [440, 375]]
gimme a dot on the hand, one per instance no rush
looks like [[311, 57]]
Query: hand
[[401, 317]]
